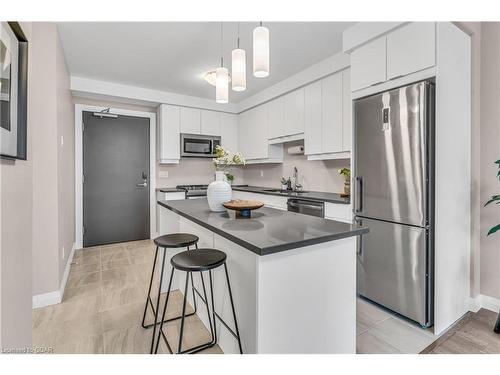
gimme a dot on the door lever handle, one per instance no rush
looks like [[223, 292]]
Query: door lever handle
[[144, 184]]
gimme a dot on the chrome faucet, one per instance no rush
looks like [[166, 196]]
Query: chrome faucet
[[296, 185]]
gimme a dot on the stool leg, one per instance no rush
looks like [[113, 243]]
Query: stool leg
[[206, 304], [497, 324], [148, 299], [213, 306], [179, 347], [158, 300], [163, 314], [232, 307], [192, 289]]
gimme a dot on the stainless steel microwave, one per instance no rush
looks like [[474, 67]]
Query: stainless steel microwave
[[199, 146]]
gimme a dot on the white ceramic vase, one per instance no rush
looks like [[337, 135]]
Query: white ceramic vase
[[218, 192]]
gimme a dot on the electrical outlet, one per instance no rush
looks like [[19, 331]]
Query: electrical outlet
[[62, 140], [63, 253], [163, 174], [261, 173]]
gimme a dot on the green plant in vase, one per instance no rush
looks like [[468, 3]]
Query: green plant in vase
[[496, 228], [230, 178], [495, 198], [346, 172]]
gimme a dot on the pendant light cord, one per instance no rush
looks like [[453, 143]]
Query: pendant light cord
[[238, 35], [221, 45]]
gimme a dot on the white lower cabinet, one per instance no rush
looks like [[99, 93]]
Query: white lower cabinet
[[339, 212], [272, 201]]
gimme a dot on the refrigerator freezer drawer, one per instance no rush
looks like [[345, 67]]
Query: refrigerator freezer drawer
[[392, 269]]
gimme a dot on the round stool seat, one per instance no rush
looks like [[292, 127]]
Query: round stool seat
[[176, 240], [199, 260]]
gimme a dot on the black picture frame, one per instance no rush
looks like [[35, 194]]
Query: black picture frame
[[22, 94]]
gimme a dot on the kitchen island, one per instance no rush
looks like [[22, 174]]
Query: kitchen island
[[293, 277]]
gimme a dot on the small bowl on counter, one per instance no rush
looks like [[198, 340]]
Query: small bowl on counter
[[241, 209]]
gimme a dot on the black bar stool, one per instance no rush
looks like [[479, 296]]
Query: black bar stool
[[199, 261], [173, 240]]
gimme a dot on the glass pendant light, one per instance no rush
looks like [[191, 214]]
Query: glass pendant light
[[221, 77], [239, 67], [261, 51]]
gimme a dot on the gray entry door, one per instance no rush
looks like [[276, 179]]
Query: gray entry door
[[116, 179]]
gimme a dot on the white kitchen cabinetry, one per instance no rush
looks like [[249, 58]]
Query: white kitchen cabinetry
[[272, 201], [190, 120], [229, 131], [168, 134], [411, 48], [368, 64], [405, 50], [253, 137], [346, 111], [276, 118], [331, 110], [338, 212], [327, 117], [313, 123], [293, 106], [210, 122]]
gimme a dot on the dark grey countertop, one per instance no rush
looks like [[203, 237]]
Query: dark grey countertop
[[168, 189], [269, 230], [311, 195]]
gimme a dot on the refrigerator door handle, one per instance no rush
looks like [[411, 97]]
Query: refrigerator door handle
[[359, 238], [359, 192]]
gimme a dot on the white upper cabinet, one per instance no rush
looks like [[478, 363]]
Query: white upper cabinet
[[313, 125], [368, 64], [190, 120], [328, 117], [260, 130], [346, 110], [245, 134], [276, 118], [168, 134], [331, 109], [411, 48], [294, 112], [229, 131], [210, 122]]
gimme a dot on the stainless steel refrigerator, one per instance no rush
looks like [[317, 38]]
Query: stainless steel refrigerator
[[393, 197]]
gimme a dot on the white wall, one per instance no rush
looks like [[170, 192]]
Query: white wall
[[16, 213], [319, 175], [53, 164], [489, 153]]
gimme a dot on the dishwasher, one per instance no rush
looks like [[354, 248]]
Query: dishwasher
[[306, 207]]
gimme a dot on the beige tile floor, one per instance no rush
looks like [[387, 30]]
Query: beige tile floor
[[381, 332], [104, 300], [103, 304]]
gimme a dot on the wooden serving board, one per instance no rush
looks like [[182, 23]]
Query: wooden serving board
[[241, 205]]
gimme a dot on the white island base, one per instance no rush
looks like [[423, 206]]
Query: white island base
[[296, 301]]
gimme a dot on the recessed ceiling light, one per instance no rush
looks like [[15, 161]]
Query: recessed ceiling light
[[210, 77]]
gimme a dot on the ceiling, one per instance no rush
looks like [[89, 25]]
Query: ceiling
[[172, 56]]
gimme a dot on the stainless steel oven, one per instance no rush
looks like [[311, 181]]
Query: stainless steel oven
[[306, 207], [199, 146]]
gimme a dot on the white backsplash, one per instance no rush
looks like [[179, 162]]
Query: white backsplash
[[315, 175]]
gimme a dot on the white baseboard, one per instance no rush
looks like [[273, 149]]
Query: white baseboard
[[482, 301], [55, 297]]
